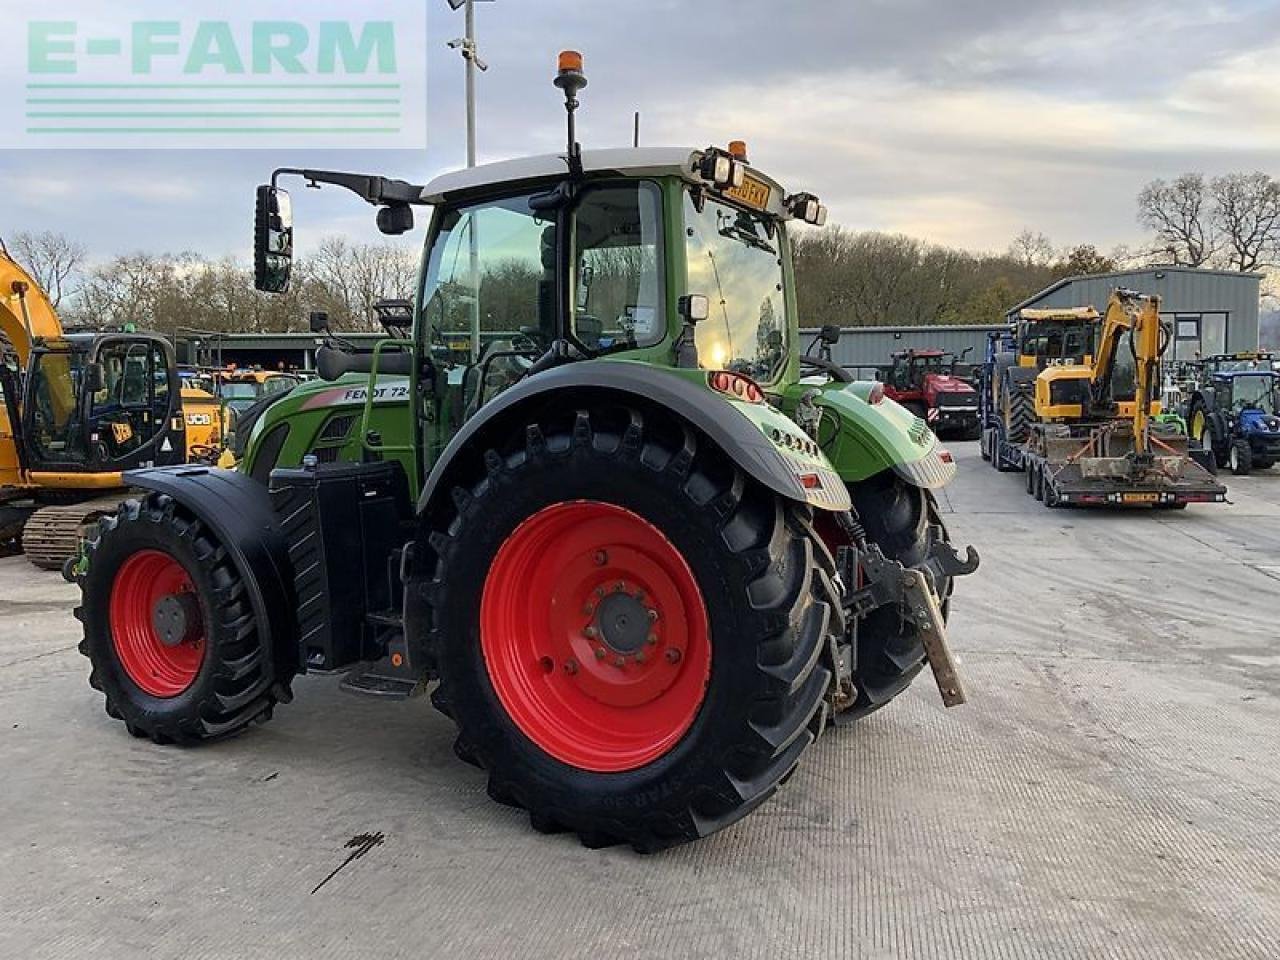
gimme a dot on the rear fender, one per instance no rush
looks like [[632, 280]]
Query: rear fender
[[238, 511], [763, 442]]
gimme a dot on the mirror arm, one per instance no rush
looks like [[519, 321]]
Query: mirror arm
[[379, 191]]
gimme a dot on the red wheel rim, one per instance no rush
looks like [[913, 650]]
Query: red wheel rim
[[595, 636], [144, 581]]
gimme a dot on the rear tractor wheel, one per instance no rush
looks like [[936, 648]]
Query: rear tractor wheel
[[169, 628], [630, 634]]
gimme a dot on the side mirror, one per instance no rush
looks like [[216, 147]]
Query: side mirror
[[694, 307], [272, 240], [829, 333], [318, 321], [95, 378]]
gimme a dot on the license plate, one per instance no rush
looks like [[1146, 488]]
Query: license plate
[[1142, 498], [753, 193]]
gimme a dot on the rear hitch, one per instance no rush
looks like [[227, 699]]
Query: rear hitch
[[914, 589]]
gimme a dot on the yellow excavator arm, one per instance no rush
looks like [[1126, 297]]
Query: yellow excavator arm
[[25, 311], [1138, 315]]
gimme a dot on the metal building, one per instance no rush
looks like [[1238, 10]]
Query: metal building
[[1212, 311]]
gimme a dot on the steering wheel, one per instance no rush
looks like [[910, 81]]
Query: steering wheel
[[836, 372]]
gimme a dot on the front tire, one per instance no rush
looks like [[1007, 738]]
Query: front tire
[[650, 738], [1240, 458], [903, 520], [169, 629]]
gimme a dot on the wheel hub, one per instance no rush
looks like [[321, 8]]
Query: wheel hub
[[176, 618], [623, 620]]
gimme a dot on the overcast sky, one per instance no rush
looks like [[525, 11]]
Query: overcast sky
[[959, 122]]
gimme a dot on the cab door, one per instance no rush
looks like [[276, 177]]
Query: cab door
[[134, 413]]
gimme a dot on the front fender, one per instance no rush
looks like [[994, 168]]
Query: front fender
[[762, 441], [863, 439]]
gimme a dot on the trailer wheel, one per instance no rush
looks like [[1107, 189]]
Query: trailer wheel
[[903, 520], [1240, 458], [629, 633], [169, 629]]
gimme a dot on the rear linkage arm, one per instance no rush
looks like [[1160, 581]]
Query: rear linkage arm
[[913, 589]]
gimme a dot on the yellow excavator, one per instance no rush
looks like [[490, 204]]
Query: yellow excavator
[[79, 409], [1095, 438]]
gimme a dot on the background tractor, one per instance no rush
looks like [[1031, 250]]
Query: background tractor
[[79, 410], [638, 561], [1232, 406], [925, 382]]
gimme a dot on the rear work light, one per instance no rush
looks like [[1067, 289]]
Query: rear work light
[[876, 394], [735, 385]]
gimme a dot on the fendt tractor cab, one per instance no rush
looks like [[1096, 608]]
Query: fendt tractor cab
[[588, 501], [925, 382], [1232, 407]]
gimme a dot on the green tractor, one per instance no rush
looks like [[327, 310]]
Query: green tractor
[[639, 546]]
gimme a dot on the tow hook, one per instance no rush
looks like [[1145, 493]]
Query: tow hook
[[915, 590]]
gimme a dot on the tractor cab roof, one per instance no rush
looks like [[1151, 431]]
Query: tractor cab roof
[[611, 162]]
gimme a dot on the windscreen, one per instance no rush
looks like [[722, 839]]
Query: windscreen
[[734, 260]]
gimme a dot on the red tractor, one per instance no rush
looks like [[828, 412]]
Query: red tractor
[[925, 382]]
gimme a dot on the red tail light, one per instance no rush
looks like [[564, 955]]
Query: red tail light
[[735, 385]]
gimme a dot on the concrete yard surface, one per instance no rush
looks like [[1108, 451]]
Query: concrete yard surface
[[1112, 789]]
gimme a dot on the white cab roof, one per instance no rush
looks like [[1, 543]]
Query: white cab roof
[[635, 162]]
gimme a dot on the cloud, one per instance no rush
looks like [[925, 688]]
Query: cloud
[[958, 122]]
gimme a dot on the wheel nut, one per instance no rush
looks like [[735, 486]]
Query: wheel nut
[[619, 662], [640, 657], [591, 632], [599, 653], [619, 587], [601, 558], [653, 616], [571, 667], [673, 655], [652, 640], [588, 609]]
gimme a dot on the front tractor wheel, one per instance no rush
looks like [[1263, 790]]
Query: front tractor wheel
[[630, 634], [169, 628], [904, 522]]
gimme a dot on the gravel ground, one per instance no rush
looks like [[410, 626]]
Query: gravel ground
[[1111, 790]]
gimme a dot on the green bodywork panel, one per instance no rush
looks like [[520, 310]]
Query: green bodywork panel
[[860, 438]]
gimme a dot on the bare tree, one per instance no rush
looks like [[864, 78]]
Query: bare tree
[[51, 258], [1176, 211], [348, 279], [1247, 217], [1031, 249]]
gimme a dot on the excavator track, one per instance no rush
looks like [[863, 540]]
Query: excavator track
[[52, 534]]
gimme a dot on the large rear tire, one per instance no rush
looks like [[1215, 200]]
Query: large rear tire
[[169, 628], [580, 526]]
